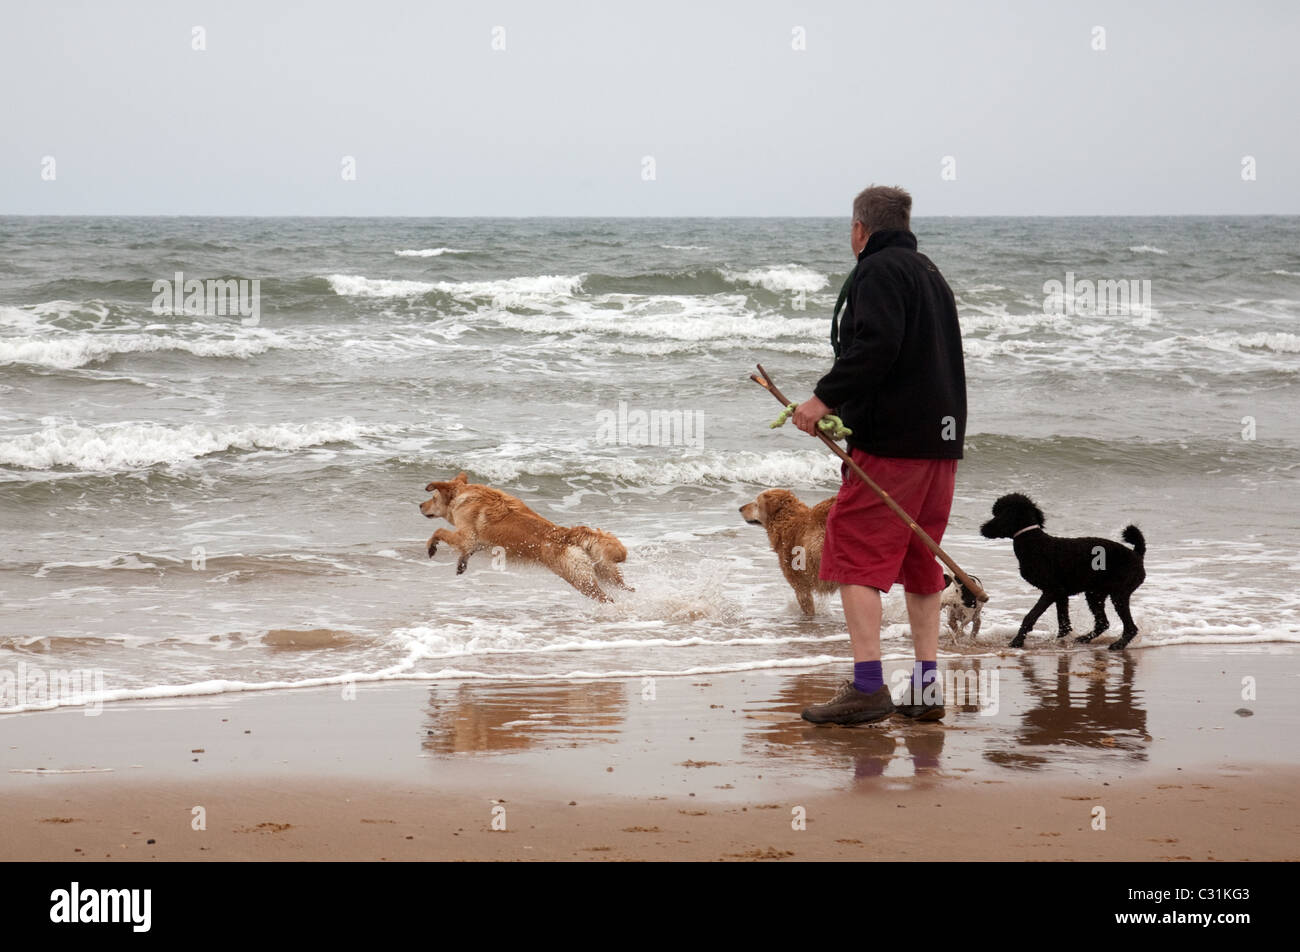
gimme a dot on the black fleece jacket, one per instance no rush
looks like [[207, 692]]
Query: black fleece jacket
[[899, 381]]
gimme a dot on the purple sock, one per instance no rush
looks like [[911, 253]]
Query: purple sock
[[868, 676], [923, 673]]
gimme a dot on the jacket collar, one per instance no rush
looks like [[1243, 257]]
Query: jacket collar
[[888, 239]]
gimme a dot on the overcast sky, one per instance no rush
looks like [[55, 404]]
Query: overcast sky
[[1035, 119]]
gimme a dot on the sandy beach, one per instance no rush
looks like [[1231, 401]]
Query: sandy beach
[[1081, 755]]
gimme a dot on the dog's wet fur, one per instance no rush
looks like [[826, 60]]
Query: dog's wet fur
[[487, 518], [964, 609], [796, 532], [1060, 568]]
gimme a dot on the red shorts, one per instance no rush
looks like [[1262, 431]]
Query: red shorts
[[867, 544]]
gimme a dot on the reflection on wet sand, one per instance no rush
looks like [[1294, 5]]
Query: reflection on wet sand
[[869, 750], [1089, 702], [486, 717], [1077, 709]]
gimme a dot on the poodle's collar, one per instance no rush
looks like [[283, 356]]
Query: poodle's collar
[[1026, 529]]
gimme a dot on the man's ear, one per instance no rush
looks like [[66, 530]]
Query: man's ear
[[461, 477]]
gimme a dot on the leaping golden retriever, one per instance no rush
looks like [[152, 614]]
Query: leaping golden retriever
[[487, 518]]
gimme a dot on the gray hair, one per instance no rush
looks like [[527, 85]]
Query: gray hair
[[883, 208]]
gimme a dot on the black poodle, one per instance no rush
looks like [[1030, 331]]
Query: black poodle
[[1060, 568]]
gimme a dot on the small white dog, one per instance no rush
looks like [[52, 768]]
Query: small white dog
[[963, 608]]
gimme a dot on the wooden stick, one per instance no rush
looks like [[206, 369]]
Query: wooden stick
[[976, 589]]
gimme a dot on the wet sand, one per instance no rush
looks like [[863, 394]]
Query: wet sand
[[716, 768]]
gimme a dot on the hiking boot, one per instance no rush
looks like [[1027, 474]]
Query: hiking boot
[[851, 706], [929, 708], [920, 712]]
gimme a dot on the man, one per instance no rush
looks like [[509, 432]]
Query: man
[[899, 382]]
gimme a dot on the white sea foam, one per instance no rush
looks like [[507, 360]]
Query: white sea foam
[[1280, 342], [27, 318], [819, 348], [429, 252], [403, 673], [76, 350], [57, 309], [790, 277], [975, 347], [719, 317], [997, 319], [685, 247], [506, 292], [355, 285], [126, 446], [770, 468], [406, 670], [1219, 635], [1147, 250], [481, 640]]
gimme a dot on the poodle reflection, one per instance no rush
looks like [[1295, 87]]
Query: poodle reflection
[[1090, 703]]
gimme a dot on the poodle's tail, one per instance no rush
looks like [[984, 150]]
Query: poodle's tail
[[1133, 536]]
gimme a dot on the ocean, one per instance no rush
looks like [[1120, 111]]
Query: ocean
[[183, 495]]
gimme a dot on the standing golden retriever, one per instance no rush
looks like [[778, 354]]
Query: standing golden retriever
[[796, 533], [486, 518]]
